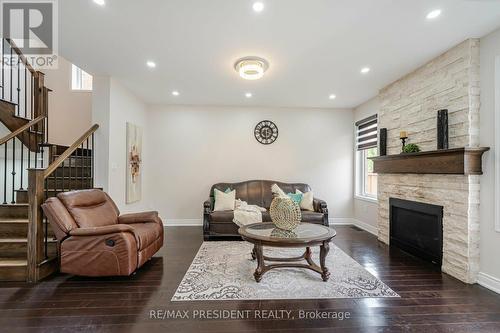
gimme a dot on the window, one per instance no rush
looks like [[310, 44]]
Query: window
[[366, 146], [80, 80]]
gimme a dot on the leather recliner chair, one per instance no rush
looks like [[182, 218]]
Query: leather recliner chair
[[95, 240]]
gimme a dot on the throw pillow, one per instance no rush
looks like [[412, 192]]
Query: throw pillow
[[277, 191], [307, 200], [296, 197], [224, 201], [228, 190]]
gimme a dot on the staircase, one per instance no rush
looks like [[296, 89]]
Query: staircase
[[32, 170]]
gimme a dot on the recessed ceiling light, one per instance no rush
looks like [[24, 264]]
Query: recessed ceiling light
[[332, 96], [251, 68], [258, 6], [434, 14], [175, 93], [100, 2], [248, 95], [365, 70], [151, 64]]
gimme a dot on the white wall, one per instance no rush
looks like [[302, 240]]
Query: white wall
[[490, 239], [70, 112], [195, 147], [125, 107], [365, 211], [114, 106]]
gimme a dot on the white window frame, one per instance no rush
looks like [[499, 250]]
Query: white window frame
[[360, 178], [497, 142], [78, 76]]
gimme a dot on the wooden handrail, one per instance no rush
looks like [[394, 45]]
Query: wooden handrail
[[21, 129], [22, 57], [67, 153]]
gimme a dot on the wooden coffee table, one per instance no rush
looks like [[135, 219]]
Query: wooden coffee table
[[306, 235]]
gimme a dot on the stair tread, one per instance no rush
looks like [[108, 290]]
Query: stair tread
[[22, 240], [8, 262], [7, 220], [6, 101], [15, 205]]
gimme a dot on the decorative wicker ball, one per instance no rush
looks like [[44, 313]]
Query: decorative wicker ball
[[285, 213]]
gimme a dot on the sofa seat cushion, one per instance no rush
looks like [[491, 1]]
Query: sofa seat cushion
[[146, 233], [222, 217], [313, 217]]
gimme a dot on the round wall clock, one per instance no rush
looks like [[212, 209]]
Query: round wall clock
[[266, 132]]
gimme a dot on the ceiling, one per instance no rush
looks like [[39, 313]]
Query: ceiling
[[315, 47]]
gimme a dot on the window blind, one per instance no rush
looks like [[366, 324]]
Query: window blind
[[367, 133]]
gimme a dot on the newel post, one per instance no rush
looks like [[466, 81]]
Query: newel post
[[35, 226]]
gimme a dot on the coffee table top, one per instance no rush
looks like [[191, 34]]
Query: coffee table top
[[304, 234]]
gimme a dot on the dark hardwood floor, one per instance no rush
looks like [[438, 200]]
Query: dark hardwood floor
[[430, 301]]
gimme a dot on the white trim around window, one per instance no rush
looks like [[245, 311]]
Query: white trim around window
[[497, 143]]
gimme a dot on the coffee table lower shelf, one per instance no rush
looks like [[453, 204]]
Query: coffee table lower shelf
[[262, 267]]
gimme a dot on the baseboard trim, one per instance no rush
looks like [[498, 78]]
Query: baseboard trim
[[352, 221], [366, 227], [182, 222], [488, 281]]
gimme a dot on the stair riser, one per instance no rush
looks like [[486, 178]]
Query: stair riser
[[22, 196], [18, 230], [19, 250], [13, 230], [15, 212], [73, 184], [76, 161], [73, 172], [16, 273]]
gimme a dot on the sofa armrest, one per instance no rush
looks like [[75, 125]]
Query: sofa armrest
[[207, 207], [97, 231], [139, 218], [320, 206]]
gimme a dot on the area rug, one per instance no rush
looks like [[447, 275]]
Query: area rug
[[224, 271]]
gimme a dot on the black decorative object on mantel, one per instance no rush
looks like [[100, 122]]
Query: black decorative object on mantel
[[442, 129], [382, 148]]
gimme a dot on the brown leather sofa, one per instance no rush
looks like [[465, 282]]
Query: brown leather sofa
[[95, 240], [218, 225]]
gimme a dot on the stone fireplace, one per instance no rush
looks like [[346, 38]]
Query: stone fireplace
[[450, 81]]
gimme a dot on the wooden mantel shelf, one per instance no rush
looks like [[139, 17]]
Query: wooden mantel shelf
[[458, 161]]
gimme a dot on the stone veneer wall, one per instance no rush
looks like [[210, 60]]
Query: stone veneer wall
[[450, 81]]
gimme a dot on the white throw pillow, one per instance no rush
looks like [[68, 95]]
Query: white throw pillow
[[275, 189], [224, 201], [307, 200]]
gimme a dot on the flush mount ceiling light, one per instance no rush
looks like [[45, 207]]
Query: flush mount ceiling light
[[258, 6], [175, 93], [248, 95], [251, 68], [100, 2], [151, 64], [332, 96], [434, 14]]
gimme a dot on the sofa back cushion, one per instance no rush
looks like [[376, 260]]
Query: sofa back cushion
[[258, 192], [90, 208]]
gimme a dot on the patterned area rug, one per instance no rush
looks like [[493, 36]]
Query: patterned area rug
[[224, 271]]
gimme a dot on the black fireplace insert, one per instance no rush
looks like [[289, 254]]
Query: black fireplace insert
[[417, 228]]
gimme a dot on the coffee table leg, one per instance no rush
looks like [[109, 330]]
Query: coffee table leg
[[254, 256], [260, 263], [324, 249], [308, 256]]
